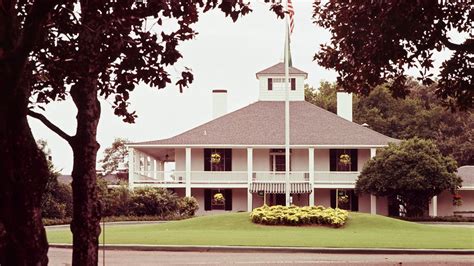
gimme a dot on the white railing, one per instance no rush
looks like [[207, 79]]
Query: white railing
[[162, 177], [210, 177], [335, 177], [280, 176]]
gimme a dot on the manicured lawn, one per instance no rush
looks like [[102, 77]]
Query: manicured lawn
[[361, 230]]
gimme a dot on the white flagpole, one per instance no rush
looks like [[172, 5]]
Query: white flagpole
[[287, 116]]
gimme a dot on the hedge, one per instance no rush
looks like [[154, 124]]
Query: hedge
[[293, 215]]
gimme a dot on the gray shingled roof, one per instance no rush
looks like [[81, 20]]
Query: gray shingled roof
[[467, 174], [263, 123], [279, 69]]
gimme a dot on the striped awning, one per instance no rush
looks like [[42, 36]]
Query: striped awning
[[279, 188]]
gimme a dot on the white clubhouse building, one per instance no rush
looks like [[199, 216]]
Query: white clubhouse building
[[242, 154]]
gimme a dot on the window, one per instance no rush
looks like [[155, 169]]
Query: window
[[343, 160], [279, 84], [278, 161], [210, 203], [347, 199], [217, 159]]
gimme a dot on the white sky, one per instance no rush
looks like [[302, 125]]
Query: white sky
[[224, 55]]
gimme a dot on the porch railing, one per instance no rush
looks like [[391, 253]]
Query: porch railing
[[161, 177], [328, 177], [209, 177], [280, 176]]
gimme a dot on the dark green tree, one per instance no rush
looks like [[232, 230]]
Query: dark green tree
[[412, 173], [374, 42], [91, 48], [421, 114]]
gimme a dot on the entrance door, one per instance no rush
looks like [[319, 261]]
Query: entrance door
[[280, 199]]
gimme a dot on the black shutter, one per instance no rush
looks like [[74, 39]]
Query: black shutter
[[228, 159], [270, 84], [332, 160], [228, 199], [333, 198], [354, 201], [207, 159], [293, 84], [354, 160], [207, 199]]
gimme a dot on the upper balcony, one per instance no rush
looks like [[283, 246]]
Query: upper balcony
[[321, 178]]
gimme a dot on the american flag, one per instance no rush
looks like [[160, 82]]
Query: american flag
[[291, 13]]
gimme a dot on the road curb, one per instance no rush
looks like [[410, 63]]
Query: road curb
[[250, 249]]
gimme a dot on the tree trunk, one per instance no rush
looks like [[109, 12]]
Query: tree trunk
[[86, 211], [23, 178]]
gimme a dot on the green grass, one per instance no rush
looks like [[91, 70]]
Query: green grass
[[361, 230]]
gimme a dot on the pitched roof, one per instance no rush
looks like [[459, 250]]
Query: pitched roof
[[263, 123], [279, 69], [467, 174]]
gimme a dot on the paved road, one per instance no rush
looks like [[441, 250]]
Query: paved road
[[59, 256]]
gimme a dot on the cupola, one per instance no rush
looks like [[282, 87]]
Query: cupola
[[272, 83]]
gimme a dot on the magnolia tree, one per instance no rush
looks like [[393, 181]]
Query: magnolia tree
[[411, 173]]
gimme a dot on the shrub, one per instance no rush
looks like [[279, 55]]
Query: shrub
[[187, 206], [57, 201], [116, 202], [293, 215], [153, 201]]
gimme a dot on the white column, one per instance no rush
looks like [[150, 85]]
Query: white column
[[153, 168], [188, 172], [311, 175], [131, 167], [373, 204], [249, 178], [373, 198], [373, 152], [434, 206], [146, 165]]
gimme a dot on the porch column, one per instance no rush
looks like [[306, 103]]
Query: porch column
[[146, 167], [311, 175], [188, 172], [131, 167], [153, 168], [373, 198], [249, 178], [373, 204], [434, 206]]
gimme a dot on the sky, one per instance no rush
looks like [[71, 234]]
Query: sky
[[224, 55]]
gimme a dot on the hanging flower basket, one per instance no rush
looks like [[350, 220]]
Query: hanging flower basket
[[219, 198], [457, 200], [345, 159], [343, 199], [215, 158]]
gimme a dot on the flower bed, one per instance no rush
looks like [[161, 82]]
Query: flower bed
[[293, 215]]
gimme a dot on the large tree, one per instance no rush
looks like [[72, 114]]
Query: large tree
[[23, 167], [106, 48], [376, 41], [411, 173], [420, 114]]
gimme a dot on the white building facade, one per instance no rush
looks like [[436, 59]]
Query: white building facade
[[241, 154]]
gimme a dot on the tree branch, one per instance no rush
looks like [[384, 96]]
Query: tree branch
[[467, 46], [50, 125], [33, 27]]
